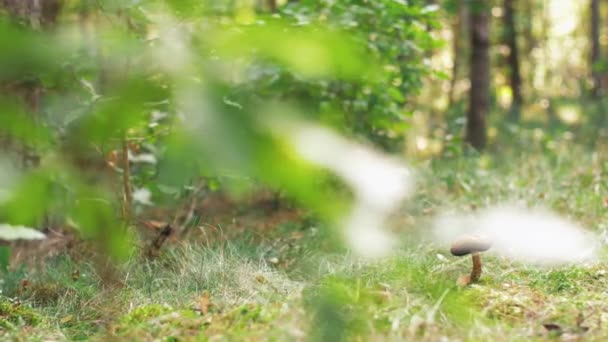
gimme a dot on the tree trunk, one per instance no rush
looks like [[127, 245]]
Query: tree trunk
[[529, 12], [36, 12], [29, 91], [514, 69], [595, 47], [272, 5], [480, 76], [458, 27]]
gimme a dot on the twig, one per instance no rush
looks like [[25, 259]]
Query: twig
[[158, 243], [126, 182], [191, 209]]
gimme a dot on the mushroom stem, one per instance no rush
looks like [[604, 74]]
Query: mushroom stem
[[476, 271]]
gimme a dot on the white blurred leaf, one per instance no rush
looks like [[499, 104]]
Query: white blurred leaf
[[142, 196], [9, 232], [533, 235], [142, 158], [379, 182], [157, 116], [430, 8]]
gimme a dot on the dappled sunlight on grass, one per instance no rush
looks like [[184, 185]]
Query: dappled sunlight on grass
[[569, 114]]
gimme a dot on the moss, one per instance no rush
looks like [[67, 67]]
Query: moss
[[248, 315], [144, 313], [155, 321], [15, 313]]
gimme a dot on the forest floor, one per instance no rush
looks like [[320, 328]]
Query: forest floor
[[276, 274]]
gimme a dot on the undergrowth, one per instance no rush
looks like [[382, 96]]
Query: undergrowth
[[293, 284]]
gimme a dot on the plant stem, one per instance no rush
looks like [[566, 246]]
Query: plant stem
[[126, 182]]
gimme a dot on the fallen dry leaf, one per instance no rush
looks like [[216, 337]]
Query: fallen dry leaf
[[204, 303], [155, 225]]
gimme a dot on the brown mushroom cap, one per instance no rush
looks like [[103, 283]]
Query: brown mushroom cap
[[470, 244]]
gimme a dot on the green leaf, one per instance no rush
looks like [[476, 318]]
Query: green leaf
[[313, 52], [396, 94]]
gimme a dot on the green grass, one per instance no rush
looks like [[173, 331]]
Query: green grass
[[411, 295], [293, 284]]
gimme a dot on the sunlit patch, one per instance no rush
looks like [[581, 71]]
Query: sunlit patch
[[441, 103], [569, 114], [497, 12], [563, 21], [530, 235], [492, 132], [422, 143], [505, 96], [538, 134]]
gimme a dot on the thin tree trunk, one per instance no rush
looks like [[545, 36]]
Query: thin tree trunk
[[528, 33], [528, 11], [595, 47], [457, 28], [480, 76], [126, 182], [272, 5], [514, 66]]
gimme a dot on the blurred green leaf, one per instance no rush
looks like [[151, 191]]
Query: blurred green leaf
[[29, 200], [25, 52], [97, 219], [309, 51], [18, 124]]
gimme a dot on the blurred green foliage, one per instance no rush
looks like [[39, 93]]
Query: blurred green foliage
[[373, 104], [194, 84]]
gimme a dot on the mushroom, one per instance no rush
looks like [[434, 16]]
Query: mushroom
[[471, 244]]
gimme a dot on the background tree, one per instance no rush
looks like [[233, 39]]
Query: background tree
[[27, 89], [458, 11], [272, 5], [479, 101], [595, 48], [513, 58]]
